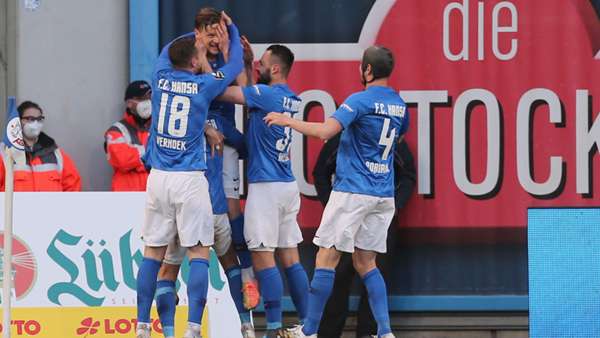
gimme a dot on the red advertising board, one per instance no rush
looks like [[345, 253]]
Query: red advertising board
[[503, 105]]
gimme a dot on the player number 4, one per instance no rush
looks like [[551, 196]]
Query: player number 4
[[386, 140], [180, 108]]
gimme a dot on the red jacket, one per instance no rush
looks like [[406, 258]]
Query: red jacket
[[47, 168], [125, 144]]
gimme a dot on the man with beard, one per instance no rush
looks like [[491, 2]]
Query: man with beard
[[361, 206], [125, 141], [273, 198]]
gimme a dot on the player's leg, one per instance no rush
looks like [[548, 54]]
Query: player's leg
[[231, 185], [229, 261], [364, 263], [197, 288], [289, 237], [158, 230], [297, 279], [262, 234], [336, 310], [166, 295], [341, 219], [146, 287], [371, 239], [271, 287], [196, 233]]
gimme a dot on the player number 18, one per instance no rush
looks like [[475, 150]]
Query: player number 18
[[180, 108]]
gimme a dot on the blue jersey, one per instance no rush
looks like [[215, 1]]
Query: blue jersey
[[180, 101], [214, 171], [269, 147], [225, 109], [372, 120]]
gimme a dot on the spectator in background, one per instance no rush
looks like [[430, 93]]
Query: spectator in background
[[125, 141], [47, 167], [336, 310]]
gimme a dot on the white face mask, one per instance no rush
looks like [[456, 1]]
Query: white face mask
[[32, 129], [144, 109]]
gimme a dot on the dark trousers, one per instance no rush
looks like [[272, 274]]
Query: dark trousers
[[336, 310]]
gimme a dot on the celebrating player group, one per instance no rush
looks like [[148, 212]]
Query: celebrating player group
[[192, 199]]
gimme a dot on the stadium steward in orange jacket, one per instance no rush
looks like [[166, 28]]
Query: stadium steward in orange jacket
[[125, 141], [47, 167]]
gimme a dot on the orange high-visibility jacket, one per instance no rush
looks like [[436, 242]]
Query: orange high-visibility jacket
[[125, 144], [47, 168]]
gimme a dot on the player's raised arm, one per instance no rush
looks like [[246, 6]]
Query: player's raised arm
[[324, 130], [233, 94]]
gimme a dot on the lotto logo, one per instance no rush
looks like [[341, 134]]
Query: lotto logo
[[112, 326]]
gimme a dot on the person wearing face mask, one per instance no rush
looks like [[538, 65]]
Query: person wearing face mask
[[47, 167], [125, 141]]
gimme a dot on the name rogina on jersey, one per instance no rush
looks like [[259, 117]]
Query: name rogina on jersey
[[391, 110], [178, 87]]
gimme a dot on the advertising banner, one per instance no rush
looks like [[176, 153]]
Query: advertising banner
[[503, 95], [75, 262]]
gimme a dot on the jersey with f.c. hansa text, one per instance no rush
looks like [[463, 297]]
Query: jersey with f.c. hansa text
[[372, 120], [226, 109], [180, 101], [269, 147], [214, 171]]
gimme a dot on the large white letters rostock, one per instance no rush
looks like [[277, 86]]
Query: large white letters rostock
[[424, 100]]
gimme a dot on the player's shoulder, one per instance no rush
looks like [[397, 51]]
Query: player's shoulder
[[356, 100]]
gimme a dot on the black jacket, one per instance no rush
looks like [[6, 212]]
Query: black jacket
[[404, 171]]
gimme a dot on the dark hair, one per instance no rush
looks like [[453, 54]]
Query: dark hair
[[182, 51], [26, 105], [206, 16], [285, 57], [381, 60]]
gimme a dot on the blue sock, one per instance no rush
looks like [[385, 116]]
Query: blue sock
[[146, 286], [271, 288], [378, 300], [320, 290], [197, 289], [165, 306], [234, 277], [239, 242], [298, 285]]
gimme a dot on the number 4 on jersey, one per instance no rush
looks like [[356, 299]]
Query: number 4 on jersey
[[386, 140]]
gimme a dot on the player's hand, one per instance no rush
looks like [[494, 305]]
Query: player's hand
[[248, 53], [223, 36], [216, 140], [277, 119], [225, 18]]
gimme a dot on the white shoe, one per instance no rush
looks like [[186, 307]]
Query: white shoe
[[387, 335], [142, 330], [193, 331], [248, 330], [296, 332]]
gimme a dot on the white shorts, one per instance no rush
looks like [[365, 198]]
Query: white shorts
[[270, 216], [355, 220], [177, 204], [175, 252], [231, 172]]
